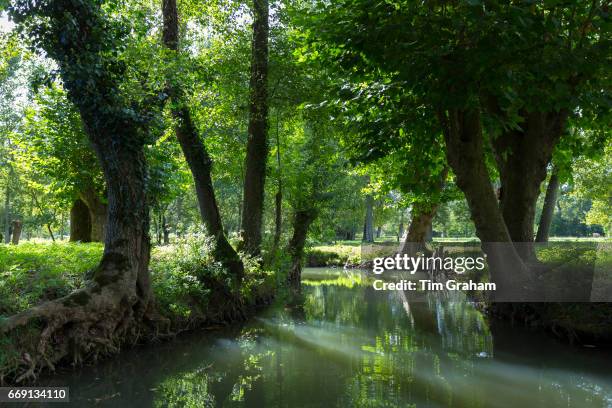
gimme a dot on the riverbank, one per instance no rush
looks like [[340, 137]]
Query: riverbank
[[345, 344], [191, 291]]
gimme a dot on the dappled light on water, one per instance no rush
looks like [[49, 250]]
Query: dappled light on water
[[345, 344]]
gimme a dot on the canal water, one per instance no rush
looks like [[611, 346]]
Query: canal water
[[343, 344]]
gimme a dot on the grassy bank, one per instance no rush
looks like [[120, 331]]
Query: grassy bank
[[191, 290], [32, 273], [353, 253]]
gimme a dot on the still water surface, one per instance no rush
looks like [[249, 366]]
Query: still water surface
[[345, 344]]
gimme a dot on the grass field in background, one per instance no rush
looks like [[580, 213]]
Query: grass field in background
[[35, 271]]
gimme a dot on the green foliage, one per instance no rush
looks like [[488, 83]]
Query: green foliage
[[182, 275], [593, 181], [178, 272], [35, 272], [185, 275], [56, 160], [334, 255], [316, 257]]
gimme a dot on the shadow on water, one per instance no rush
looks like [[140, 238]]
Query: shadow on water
[[345, 344]]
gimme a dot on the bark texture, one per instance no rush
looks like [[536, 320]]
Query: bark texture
[[465, 154], [278, 197], [257, 144], [98, 213], [550, 200], [522, 157], [301, 223], [7, 209], [418, 231], [116, 302], [80, 223], [17, 226], [97, 319], [197, 156], [368, 223]]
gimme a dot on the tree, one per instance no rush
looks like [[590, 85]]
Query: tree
[[56, 155], [438, 56], [80, 222], [86, 42], [550, 200], [368, 223], [316, 170], [10, 60], [257, 145], [195, 152], [592, 178]]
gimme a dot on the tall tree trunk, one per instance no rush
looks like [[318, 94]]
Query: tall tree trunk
[[368, 223], [465, 155], [302, 220], [278, 198], [80, 224], [114, 305], [7, 208], [166, 229], [17, 226], [98, 213], [50, 230], [522, 158], [550, 199], [197, 157], [99, 317], [420, 225], [257, 144]]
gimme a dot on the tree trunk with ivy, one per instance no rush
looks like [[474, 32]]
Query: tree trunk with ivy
[[116, 303]]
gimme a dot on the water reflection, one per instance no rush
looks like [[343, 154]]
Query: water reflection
[[345, 344]]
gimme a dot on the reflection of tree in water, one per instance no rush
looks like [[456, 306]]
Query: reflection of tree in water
[[191, 389], [234, 376], [415, 341], [341, 344]]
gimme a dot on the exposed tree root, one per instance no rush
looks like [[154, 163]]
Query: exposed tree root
[[88, 323], [96, 321]]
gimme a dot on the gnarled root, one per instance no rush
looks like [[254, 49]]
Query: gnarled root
[[89, 322]]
